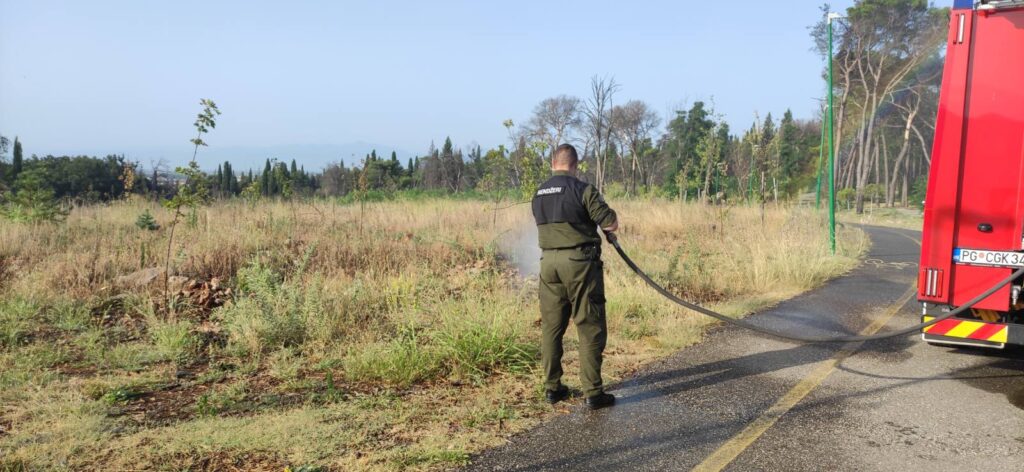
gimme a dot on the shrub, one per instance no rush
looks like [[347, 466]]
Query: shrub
[[34, 201], [146, 221], [174, 340], [285, 364], [269, 313], [846, 196]]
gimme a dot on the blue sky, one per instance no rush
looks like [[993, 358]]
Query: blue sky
[[308, 78]]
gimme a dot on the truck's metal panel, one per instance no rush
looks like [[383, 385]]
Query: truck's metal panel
[[940, 209]]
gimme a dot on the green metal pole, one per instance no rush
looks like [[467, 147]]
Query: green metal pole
[[821, 159], [831, 148]]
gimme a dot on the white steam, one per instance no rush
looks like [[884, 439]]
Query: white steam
[[523, 249]]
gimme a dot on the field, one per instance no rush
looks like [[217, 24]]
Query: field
[[320, 336]]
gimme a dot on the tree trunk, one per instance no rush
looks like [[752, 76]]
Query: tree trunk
[[906, 184], [884, 175], [762, 198], [902, 156], [707, 182]]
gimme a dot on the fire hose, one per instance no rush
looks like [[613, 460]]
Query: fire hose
[[613, 240]]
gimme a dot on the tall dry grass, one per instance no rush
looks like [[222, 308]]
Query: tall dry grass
[[401, 317]]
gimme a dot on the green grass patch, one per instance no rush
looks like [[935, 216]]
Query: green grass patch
[[174, 340], [400, 362], [473, 349], [16, 322]]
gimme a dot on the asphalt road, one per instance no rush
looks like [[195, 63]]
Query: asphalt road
[[738, 401]]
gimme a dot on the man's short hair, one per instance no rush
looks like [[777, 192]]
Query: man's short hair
[[565, 156]]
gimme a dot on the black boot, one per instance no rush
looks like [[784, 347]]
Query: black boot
[[557, 395], [600, 400]]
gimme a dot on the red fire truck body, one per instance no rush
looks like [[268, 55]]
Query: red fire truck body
[[973, 234]]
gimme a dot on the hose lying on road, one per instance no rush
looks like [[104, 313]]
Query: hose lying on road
[[797, 337]]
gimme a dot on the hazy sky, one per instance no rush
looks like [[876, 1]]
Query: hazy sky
[[125, 76]]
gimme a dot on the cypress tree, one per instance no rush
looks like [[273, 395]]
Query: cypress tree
[[265, 182], [230, 184], [232, 181], [220, 178], [18, 159]]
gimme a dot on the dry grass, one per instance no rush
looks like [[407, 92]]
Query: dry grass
[[399, 335]]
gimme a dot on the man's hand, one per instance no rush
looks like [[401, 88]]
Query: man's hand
[[613, 228]]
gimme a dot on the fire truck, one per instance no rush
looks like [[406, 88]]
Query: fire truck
[[973, 233]]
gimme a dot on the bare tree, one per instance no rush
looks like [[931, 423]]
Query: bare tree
[[159, 171], [335, 180], [633, 123], [554, 118], [597, 123]]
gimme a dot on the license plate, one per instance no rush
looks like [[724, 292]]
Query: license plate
[[988, 258]]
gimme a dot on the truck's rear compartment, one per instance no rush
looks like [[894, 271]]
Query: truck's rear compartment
[[974, 211]]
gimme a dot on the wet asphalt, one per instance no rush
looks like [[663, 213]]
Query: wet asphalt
[[896, 404]]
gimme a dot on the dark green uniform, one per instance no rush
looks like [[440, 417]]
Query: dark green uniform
[[568, 213]]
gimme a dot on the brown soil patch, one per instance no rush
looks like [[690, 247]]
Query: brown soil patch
[[178, 402], [5, 427], [164, 406]]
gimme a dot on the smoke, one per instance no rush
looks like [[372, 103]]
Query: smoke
[[523, 250]]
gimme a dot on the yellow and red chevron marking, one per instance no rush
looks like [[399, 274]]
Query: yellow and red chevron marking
[[976, 330]]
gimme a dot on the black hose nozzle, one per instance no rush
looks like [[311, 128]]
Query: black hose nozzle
[[611, 238]]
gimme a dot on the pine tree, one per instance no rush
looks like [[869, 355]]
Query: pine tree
[[146, 221], [767, 130], [789, 151], [447, 149]]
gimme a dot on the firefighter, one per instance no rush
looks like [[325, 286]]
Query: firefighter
[[569, 212]]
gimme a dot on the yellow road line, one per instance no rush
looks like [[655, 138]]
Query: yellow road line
[[732, 448]]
